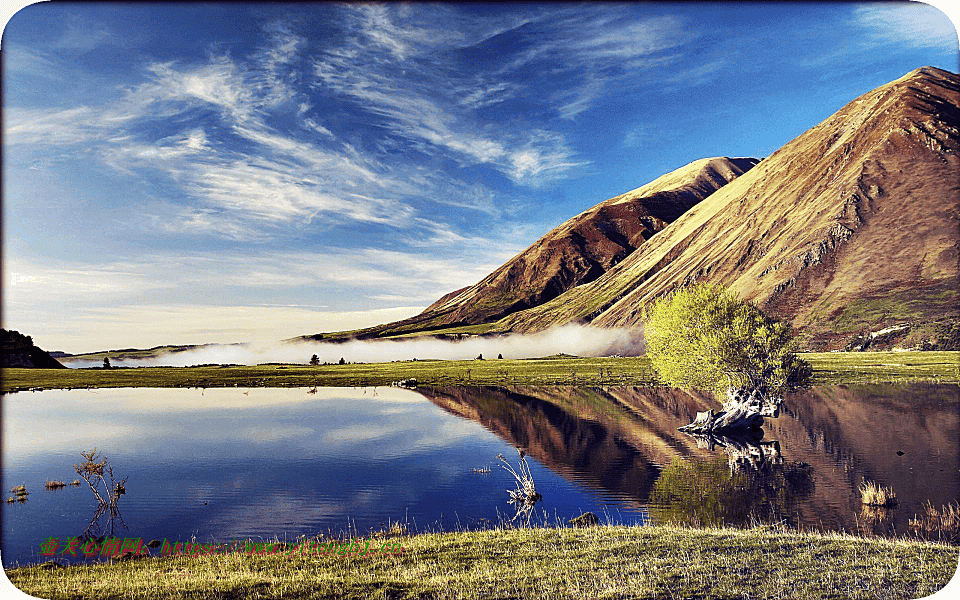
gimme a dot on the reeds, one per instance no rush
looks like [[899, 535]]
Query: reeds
[[55, 485], [873, 494], [942, 523]]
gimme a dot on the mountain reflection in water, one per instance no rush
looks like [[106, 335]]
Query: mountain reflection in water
[[805, 472]]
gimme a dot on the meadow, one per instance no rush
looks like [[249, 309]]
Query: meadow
[[828, 368], [596, 562]]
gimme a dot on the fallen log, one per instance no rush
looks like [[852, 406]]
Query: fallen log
[[743, 411]]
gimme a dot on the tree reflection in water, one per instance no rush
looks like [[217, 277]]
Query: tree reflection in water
[[753, 485]]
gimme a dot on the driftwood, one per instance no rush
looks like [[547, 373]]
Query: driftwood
[[743, 411]]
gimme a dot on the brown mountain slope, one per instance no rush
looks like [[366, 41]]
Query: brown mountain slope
[[587, 245], [851, 227], [577, 251]]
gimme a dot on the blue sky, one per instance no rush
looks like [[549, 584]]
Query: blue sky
[[201, 173]]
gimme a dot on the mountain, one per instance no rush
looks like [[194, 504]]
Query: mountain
[[849, 232], [17, 350], [577, 252]]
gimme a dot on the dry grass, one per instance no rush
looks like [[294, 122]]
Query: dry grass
[[938, 524], [555, 564], [873, 494]]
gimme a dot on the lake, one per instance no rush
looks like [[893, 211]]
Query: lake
[[217, 465]]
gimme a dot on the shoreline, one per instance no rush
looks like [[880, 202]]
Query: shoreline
[[828, 369]]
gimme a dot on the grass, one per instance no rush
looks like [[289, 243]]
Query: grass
[[828, 368], [593, 562], [873, 494], [546, 371]]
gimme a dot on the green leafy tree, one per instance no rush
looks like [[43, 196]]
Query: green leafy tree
[[704, 337], [314, 360]]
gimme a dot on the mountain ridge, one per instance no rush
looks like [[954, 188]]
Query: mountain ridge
[[835, 193], [578, 251]]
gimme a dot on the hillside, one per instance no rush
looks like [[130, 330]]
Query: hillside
[[578, 251], [17, 350], [849, 229]]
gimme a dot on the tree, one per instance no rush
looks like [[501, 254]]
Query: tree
[[314, 360], [96, 472], [704, 337], [106, 362]]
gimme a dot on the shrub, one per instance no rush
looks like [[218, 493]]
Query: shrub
[[704, 337]]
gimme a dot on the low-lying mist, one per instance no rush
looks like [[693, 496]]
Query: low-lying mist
[[577, 340]]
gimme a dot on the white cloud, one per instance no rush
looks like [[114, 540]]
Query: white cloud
[[544, 157], [285, 180], [432, 104]]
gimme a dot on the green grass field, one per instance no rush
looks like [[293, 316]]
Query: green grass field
[[828, 368], [553, 563]]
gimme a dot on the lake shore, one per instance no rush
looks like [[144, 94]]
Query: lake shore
[[605, 561], [828, 368]]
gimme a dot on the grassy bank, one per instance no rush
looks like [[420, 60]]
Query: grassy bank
[[829, 368], [600, 562]]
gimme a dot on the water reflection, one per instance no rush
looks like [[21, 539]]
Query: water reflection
[[231, 464], [753, 485], [805, 470], [221, 464]]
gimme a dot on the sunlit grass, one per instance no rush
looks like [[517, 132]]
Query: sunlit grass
[[593, 562], [828, 368]]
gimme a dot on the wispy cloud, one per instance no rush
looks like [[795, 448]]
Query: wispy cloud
[[434, 109], [280, 179], [83, 35], [913, 24]]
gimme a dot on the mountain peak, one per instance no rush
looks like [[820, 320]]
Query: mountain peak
[[847, 229]]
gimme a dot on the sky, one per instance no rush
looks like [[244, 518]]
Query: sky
[[217, 173]]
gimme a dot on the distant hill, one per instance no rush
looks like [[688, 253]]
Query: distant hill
[[128, 353], [850, 231], [574, 253], [17, 350]]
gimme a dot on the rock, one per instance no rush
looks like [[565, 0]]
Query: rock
[[587, 519]]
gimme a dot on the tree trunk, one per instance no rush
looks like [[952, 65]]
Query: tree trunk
[[743, 411], [744, 454]]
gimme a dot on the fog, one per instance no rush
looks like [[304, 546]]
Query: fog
[[577, 340]]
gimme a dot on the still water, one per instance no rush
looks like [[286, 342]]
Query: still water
[[216, 465]]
